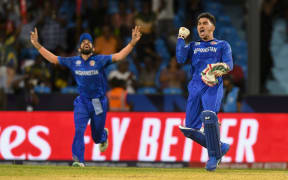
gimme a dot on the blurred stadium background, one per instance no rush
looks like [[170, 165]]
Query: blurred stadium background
[[36, 98]]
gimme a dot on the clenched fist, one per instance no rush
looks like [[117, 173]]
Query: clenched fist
[[183, 33]]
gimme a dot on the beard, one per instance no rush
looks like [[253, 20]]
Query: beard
[[86, 51]]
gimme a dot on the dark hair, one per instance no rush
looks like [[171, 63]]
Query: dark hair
[[208, 16]]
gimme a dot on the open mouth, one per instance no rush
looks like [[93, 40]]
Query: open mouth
[[202, 31]]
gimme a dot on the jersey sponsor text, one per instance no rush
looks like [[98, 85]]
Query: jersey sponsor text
[[87, 73], [204, 50]]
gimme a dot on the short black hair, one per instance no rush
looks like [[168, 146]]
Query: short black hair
[[208, 16]]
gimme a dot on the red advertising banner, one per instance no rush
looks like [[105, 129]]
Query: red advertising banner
[[142, 137]]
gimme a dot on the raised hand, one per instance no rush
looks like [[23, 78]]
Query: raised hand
[[34, 39], [183, 33], [136, 35], [34, 36]]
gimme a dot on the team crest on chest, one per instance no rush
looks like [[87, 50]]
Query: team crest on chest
[[213, 42], [78, 62], [92, 63]]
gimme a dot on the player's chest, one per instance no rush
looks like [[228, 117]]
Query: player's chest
[[86, 65], [86, 68], [206, 50]]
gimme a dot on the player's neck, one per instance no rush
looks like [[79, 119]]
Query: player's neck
[[208, 38], [86, 56]]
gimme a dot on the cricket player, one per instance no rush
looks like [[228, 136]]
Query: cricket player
[[88, 71], [210, 58]]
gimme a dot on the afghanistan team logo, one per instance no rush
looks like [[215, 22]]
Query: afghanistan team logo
[[213, 42], [92, 63], [78, 63]]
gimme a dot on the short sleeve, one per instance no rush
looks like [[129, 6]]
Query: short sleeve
[[227, 55], [105, 60], [66, 61]]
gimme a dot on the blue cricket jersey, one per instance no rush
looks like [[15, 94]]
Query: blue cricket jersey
[[89, 75], [201, 53], [201, 96]]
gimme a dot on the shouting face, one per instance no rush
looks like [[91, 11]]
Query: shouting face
[[86, 47], [205, 29]]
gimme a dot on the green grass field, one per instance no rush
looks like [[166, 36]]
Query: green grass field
[[64, 172]]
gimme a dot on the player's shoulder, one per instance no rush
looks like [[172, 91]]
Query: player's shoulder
[[96, 56], [194, 44], [70, 57], [222, 42], [99, 56], [76, 57]]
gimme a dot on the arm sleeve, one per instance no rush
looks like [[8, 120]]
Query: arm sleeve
[[66, 61], [105, 60], [182, 51], [227, 55]]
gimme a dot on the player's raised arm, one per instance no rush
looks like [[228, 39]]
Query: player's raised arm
[[136, 35], [181, 49], [43, 51]]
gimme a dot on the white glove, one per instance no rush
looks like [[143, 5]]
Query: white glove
[[183, 33], [208, 77], [219, 69], [212, 71]]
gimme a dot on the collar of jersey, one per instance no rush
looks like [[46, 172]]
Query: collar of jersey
[[87, 59], [200, 40]]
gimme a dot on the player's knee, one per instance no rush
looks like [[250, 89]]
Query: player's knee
[[208, 117], [191, 133], [79, 131]]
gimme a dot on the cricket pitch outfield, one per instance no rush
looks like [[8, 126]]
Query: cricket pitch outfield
[[32, 172]]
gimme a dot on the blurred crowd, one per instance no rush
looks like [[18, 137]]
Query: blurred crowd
[[274, 47], [150, 69]]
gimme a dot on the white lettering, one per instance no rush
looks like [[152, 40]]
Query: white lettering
[[246, 142], [86, 139], [0, 140], [149, 139], [188, 147], [96, 154], [7, 146], [86, 73], [41, 144], [225, 124], [204, 155], [119, 132], [169, 139], [205, 50]]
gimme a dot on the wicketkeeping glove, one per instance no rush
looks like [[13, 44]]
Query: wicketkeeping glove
[[212, 71], [183, 33], [208, 77], [219, 69]]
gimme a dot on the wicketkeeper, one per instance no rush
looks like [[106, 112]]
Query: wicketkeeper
[[210, 59]]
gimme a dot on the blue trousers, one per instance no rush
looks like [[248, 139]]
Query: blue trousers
[[202, 97], [85, 109]]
